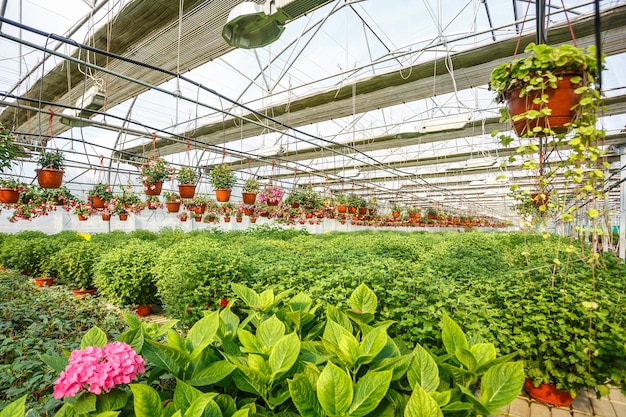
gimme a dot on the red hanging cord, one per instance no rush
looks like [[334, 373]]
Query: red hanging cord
[[569, 25]]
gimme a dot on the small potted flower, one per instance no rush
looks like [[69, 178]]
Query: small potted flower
[[250, 190], [153, 202], [50, 173], [187, 178], [82, 210], [100, 194], [223, 180], [153, 173], [172, 201], [271, 195], [238, 216], [182, 216]]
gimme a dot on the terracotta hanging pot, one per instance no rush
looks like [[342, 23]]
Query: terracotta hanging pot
[[97, 202], [187, 190], [222, 195], [351, 209], [548, 394], [123, 217], [248, 198], [9, 195], [560, 100], [82, 218], [238, 219], [341, 208], [395, 214], [106, 217], [252, 219], [154, 188], [226, 219], [172, 206], [49, 177]]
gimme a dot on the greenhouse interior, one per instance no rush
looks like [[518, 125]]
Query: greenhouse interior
[[313, 208]]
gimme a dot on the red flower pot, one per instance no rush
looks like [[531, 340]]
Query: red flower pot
[[143, 310], [106, 217], [43, 282], [153, 189], [252, 219], [226, 219], [187, 190], [238, 219], [123, 217], [49, 178], [548, 394], [222, 195], [97, 202], [82, 218], [351, 209], [341, 208], [560, 101], [78, 293], [9, 195], [172, 206], [198, 218], [248, 198]]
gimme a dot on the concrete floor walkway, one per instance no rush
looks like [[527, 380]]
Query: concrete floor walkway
[[585, 404]]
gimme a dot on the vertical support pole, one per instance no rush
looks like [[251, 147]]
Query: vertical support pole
[[540, 9], [622, 205]]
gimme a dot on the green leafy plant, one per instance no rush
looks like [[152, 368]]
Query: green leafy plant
[[74, 263], [122, 274], [54, 160], [222, 177], [102, 190], [171, 196], [355, 200], [251, 185], [187, 175], [8, 149]]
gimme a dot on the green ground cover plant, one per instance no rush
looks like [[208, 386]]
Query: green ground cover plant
[[35, 322]]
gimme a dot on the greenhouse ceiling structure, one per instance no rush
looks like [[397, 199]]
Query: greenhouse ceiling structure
[[385, 98]]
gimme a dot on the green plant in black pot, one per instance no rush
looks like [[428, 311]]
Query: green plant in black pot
[[123, 275]]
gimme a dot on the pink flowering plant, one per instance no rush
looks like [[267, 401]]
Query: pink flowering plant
[[155, 170], [271, 195]]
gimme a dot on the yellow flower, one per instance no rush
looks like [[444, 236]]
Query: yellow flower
[[85, 236]]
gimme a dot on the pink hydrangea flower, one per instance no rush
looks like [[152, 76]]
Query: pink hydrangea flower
[[98, 369]]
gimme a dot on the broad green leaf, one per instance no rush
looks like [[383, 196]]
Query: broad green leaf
[[398, 365], [227, 404], [132, 320], [197, 407], [94, 337], [85, 403], [373, 343], [249, 342], [176, 341], [334, 390], [247, 295], [202, 333], [249, 382], [337, 316], [304, 397], [155, 353], [146, 400], [66, 411], [113, 400], [479, 407], [212, 373], [258, 365], [501, 384], [270, 331], [266, 299], [363, 300], [279, 396], [457, 406], [332, 336], [230, 322], [57, 363], [423, 370], [184, 395], [348, 351], [107, 414], [369, 390], [244, 412], [466, 357], [452, 335], [284, 354], [16, 409], [398, 401], [300, 302], [421, 404], [461, 376], [442, 398], [134, 338], [483, 353]]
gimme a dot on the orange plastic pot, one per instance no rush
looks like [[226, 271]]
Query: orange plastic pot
[[49, 178], [248, 198], [143, 310], [9, 195], [222, 195], [153, 189], [548, 394], [187, 190]]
